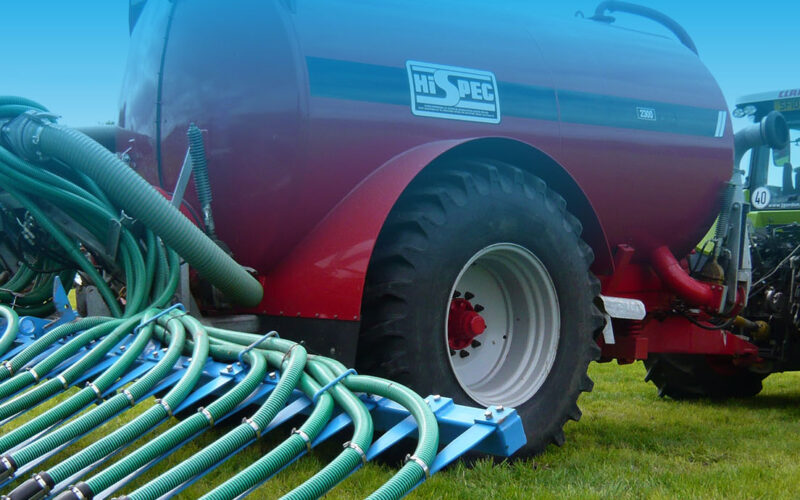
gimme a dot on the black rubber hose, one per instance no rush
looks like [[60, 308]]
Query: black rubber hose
[[35, 137]]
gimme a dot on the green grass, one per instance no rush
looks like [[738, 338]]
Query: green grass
[[629, 444]]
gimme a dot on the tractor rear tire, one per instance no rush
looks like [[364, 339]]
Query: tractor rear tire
[[692, 376], [496, 236]]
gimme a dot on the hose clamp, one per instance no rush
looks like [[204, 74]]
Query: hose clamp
[[207, 414], [421, 463], [253, 425], [42, 483], [165, 405], [130, 397], [350, 444], [34, 374], [96, 390], [78, 493], [304, 437], [8, 366], [63, 381]]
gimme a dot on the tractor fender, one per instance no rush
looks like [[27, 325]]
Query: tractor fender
[[323, 277]]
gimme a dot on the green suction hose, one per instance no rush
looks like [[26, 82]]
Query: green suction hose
[[138, 198], [11, 328]]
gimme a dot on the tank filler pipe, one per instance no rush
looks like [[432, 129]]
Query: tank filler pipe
[[652, 14], [696, 293]]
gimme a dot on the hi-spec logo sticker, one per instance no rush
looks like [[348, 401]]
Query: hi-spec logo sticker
[[453, 93]]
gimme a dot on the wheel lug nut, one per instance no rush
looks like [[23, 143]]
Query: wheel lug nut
[[463, 354], [469, 295], [475, 344], [456, 294], [478, 308], [452, 352]]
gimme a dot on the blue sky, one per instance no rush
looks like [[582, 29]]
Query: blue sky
[[70, 55]]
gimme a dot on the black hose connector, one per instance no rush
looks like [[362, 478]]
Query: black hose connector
[[21, 135], [7, 467], [647, 12], [772, 131], [39, 486], [80, 491]]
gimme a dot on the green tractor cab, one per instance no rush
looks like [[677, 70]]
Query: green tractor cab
[[773, 179]]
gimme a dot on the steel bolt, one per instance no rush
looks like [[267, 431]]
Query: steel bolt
[[488, 414], [155, 354], [122, 348], [272, 375], [500, 408], [475, 344], [229, 368], [437, 397], [463, 354], [469, 295]]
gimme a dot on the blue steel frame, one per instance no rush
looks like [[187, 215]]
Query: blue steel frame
[[494, 431]]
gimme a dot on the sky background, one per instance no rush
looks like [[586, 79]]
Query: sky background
[[70, 55]]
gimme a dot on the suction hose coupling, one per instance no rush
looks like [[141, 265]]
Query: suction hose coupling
[[35, 136], [772, 131], [22, 134], [39, 486]]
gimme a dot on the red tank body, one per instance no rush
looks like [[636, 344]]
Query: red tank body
[[315, 123]]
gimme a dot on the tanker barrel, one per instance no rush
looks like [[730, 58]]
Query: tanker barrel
[[772, 131]]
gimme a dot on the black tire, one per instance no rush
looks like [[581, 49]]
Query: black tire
[[441, 221], [692, 376]]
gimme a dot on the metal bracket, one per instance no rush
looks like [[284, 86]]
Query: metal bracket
[[155, 318], [333, 382], [256, 343]]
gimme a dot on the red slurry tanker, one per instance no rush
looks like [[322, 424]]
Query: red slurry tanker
[[474, 202]]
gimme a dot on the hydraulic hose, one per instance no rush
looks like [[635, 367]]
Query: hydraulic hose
[[187, 428], [298, 442], [428, 430], [249, 430], [44, 342], [159, 411], [353, 455], [74, 404], [33, 136]]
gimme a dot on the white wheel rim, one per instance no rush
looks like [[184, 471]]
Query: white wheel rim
[[519, 345]]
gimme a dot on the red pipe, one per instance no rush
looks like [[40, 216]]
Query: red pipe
[[696, 293]]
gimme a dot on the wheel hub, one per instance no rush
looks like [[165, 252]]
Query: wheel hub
[[463, 324]]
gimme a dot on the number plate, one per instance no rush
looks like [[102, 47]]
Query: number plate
[[786, 105]]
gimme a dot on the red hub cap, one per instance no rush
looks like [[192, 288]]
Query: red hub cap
[[463, 324]]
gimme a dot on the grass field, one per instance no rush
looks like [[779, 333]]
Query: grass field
[[629, 444]]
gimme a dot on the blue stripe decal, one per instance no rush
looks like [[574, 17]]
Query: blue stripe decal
[[355, 81]]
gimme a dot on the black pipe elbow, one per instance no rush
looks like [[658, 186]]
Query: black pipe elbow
[[80, 491], [34, 488], [7, 467]]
